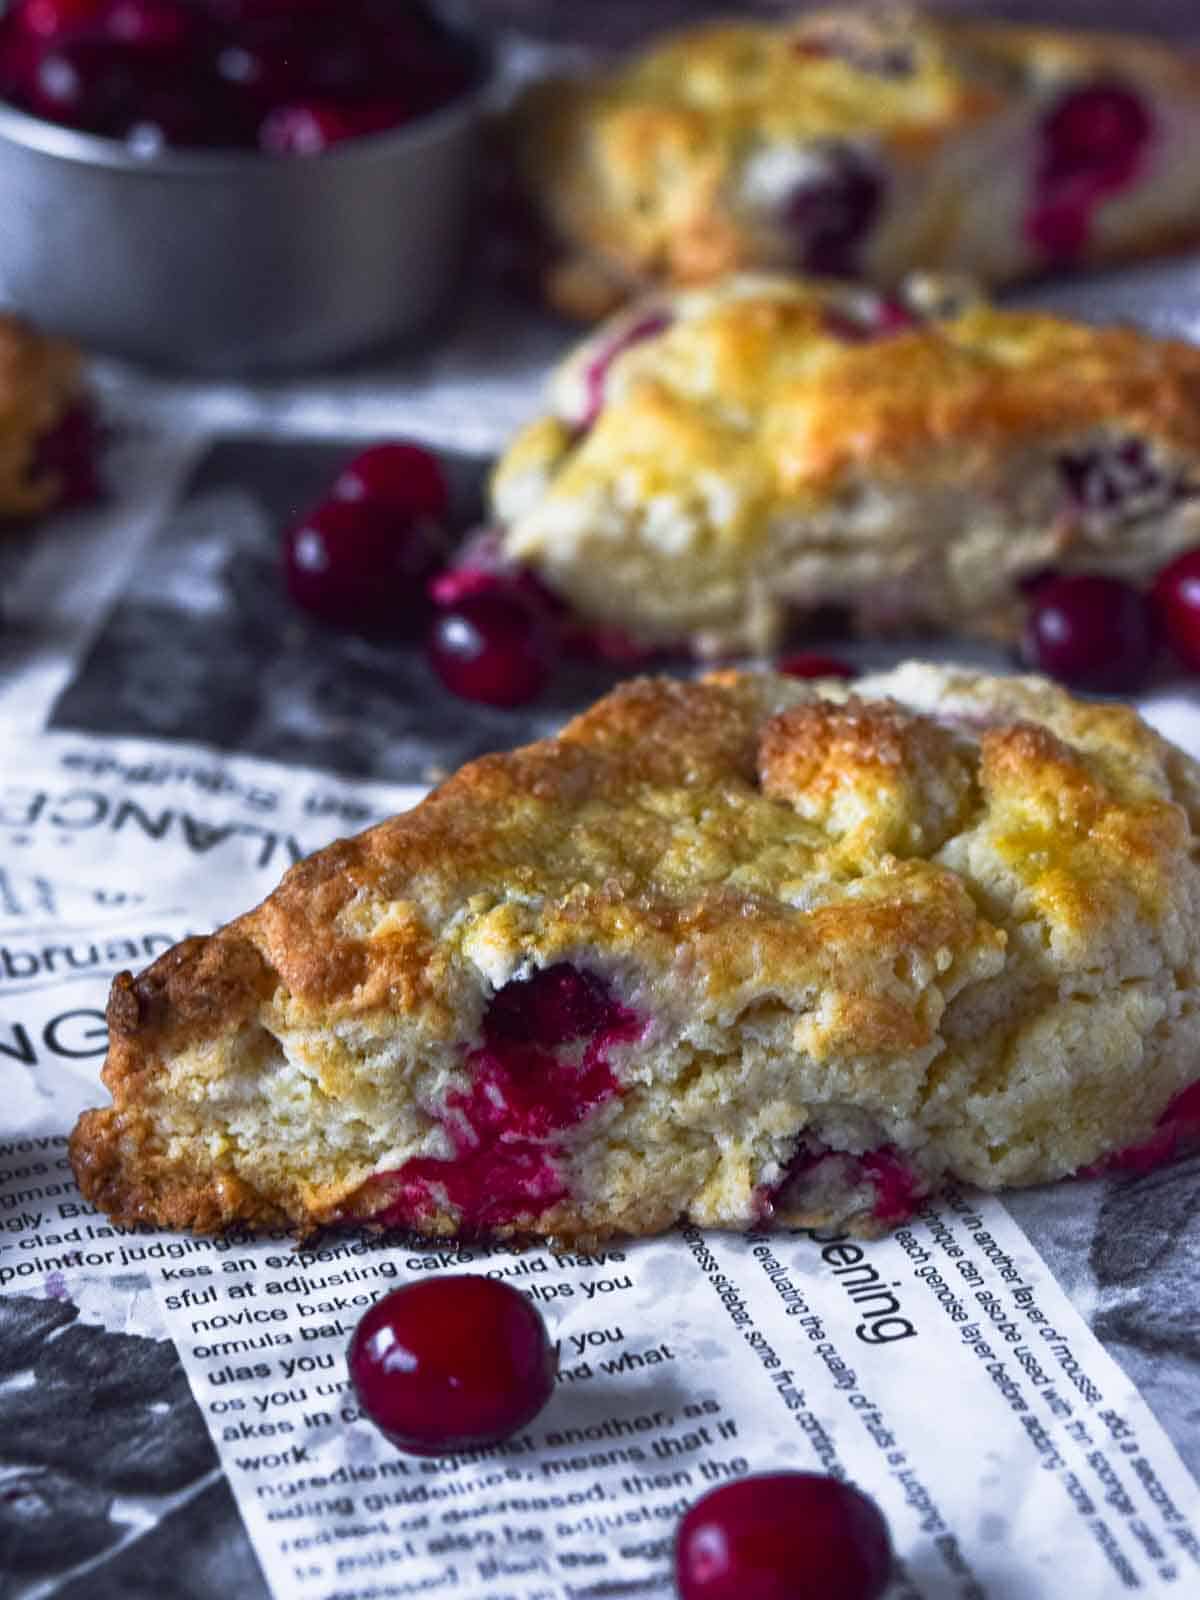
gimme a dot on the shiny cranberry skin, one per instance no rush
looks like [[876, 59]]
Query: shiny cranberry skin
[[807, 664], [161, 26], [305, 129], [1091, 632], [54, 19], [830, 212], [452, 1363], [86, 82], [1176, 600], [493, 647], [358, 566], [406, 478], [783, 1536]]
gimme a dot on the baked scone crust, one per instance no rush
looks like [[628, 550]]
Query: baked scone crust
[[40, 382], [679, 166], [717, 458], [946, 922]]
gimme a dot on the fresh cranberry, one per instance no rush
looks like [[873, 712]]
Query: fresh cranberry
[[405, 478], [1092, 142], [493, 647], [54, 19], [1177, 1134], [807, 664], [1176, 599], [86, 82], [161, 26], [595, 375], [305, 129], [357, 565], [261, 64], [830, 211], [453, 1363], [1089, 631], [783, 1536], [69, 453]]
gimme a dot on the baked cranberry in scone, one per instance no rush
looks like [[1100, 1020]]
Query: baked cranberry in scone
[[724, 461], [860, 141], [748, 951]]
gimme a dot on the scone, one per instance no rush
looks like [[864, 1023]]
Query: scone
[[864, 143], [736, 951], [719, 459], [48, 435]]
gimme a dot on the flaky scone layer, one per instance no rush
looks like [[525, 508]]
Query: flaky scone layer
[[39, 384], [860, 141], [717, 459], [946, 922]]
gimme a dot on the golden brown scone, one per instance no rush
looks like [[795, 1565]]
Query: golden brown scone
[[733, 951], [863, 142], [40, 388], [716, 459]]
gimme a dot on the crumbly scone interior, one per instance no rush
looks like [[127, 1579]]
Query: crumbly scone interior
[[744, 462], [950, 919]]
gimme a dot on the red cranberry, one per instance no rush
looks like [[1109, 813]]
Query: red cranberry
[[357, 565], [807, 664], [596, 375], [1176, 599], [831, 210], [163, 26], [405, 478], [783, 1536], [86, 82], [305, 129], [493, 647], [886, 317], [1092, 143], [1089, 631], [53, 19], [454, 1363]]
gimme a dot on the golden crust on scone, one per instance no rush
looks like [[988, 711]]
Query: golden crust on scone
[[733, 951], [39, 384], [718, 458], [866, 142]]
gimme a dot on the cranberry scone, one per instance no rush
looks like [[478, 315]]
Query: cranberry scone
[[718, 460], [738, 951], [861, 143], [48, 433]]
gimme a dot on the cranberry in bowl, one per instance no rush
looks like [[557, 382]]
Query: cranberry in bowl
[[226, 188]]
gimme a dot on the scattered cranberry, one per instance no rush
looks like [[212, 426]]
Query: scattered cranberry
[[161, 26], [1089, 631], [807, 664], [83, 82], [783, 1536], [454, 1363], [1177, 1134], [51, 19], [829, 212], [493, 647], [405, 478], [358, 566], [1092, 143], [309, 128], [1176, 600]]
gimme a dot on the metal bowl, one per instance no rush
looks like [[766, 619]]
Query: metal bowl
[[229, 261]]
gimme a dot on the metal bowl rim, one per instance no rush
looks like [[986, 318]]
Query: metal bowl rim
[[93, 150]]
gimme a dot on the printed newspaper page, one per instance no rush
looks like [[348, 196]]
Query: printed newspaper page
[[942, 1369]]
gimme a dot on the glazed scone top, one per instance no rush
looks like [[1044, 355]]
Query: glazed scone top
[[746, 427], [969, 908], [39, 381]]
